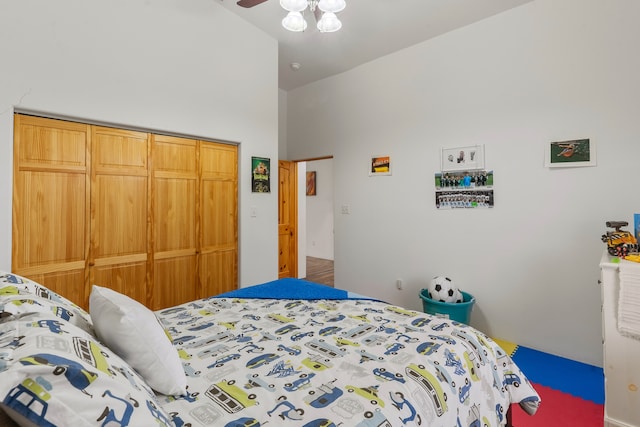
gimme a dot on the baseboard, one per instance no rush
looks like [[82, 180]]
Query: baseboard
[[609, 422]]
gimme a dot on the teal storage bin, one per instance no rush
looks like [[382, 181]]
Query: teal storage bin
[[458, 311]]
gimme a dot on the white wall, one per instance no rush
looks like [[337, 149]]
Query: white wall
[[320, 211], [282, 125], [302, 219], [184, 67], [546, 71]]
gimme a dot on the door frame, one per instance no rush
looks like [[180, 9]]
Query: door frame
[[301, 178]]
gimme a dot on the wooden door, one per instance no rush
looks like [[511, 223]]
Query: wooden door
[[174, 203], [51, 204], [287, 219], [218, 260], [120, 212]]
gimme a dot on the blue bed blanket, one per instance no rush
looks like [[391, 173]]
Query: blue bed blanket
[[291, 288]]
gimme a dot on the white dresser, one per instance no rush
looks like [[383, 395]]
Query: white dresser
[[621, 356]]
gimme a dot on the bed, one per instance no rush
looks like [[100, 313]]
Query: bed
[[286, 353]]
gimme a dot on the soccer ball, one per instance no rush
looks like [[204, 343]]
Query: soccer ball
[[444, 290]]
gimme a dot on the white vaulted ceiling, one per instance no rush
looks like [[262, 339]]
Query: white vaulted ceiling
[[371, 29]]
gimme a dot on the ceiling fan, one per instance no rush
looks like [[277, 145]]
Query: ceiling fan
[[324, 12], [250, 3]]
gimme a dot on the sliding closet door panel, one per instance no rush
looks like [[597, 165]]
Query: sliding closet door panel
[[218, 271], [174, 211], [45, 196], [219, 161], [219, 215], [121, 277], [218, 267], [51, 144], [175, 186], [120, 211], [175, 281], [120, 229], [68, 283], [51, 203]]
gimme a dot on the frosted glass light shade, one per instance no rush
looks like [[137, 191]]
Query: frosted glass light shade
[[334, 6], [294, 21], [294, 5], [329, 23]]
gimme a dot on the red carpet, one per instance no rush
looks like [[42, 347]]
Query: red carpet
[[561, 410], [572, 393]]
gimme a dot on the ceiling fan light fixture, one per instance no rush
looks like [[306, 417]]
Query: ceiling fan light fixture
[[294, 5], [294, 21], [329, 23], [334, 6]]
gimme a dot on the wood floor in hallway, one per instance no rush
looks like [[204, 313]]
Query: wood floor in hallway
[[320, 271]]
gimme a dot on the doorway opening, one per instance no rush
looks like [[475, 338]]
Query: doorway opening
[[316, 220]]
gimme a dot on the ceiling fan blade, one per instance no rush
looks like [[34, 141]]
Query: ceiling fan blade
[[250, 3]]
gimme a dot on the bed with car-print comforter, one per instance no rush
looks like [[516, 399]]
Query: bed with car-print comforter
[[325, 362], [286, 353]]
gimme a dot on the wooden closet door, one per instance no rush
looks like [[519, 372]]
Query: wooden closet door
[[174, 201], [51, 204], [120, 211], [218, 261]]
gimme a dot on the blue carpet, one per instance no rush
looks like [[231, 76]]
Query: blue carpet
[[575, 378]]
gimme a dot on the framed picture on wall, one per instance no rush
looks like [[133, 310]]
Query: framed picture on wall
[[260, 175], [380, 165], [311, 183], [571, 153], [462, 158]]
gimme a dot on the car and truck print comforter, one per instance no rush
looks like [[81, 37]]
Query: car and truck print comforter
[[311, 361]]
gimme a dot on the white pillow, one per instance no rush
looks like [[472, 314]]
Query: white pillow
[[133, 332]]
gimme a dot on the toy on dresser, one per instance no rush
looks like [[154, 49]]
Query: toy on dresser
[[619, 242]]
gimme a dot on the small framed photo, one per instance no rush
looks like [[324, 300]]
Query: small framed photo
[[311, 183], [260, 175], [380, 165], [462, 158], [570, 154]]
